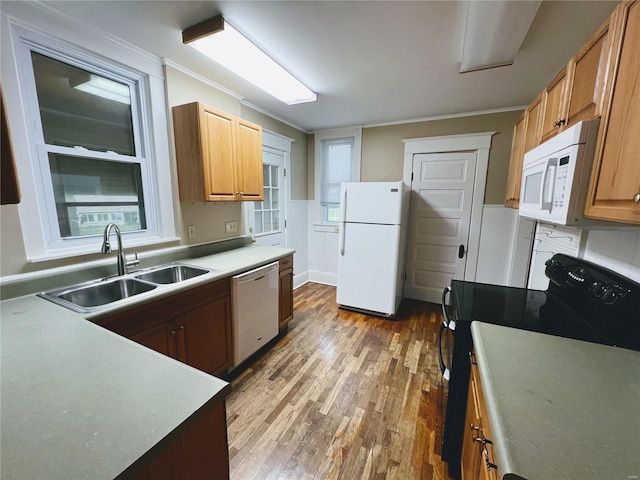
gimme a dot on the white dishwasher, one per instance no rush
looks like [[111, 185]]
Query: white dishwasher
[[255, 310]]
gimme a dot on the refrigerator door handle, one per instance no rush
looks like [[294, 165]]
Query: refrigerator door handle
[[343, 217]]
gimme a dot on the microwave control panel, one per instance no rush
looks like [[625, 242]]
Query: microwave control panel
[[562, 172]]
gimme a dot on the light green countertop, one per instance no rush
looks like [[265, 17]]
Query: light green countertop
[[80, 402], [559, 408]]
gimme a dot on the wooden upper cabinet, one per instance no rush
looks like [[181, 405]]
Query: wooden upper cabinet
[[249, 167], [526, 135], [9, 190], [534, 124], [514, 176], [219, 156], [587, 76], [554, 115], [614, 189], [218, 147]]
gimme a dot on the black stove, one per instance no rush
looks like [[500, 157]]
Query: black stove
[[584, 302]]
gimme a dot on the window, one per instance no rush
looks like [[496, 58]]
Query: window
[[93, 149], [338, 152], [267, 212]]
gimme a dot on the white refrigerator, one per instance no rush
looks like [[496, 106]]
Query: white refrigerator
[[371, 246]]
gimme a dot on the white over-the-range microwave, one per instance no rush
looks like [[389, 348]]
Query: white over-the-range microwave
[[555, 176]]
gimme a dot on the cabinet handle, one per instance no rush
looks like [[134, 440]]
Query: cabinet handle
[[473, 427], [173, 332], [557, 123], [636, 198], [490, 465]]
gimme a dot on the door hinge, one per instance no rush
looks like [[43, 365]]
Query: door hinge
[[285, 172], [412, 176], [285, 224]]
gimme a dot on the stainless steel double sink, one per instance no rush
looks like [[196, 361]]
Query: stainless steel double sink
[[96, 294]]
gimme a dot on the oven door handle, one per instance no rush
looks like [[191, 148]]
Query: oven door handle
[[446, 373], [448, 322]]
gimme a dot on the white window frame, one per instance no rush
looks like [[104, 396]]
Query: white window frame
[[37, 211], [334, 134]]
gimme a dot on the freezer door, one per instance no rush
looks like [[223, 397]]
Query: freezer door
[[372, 202], [368, 271]]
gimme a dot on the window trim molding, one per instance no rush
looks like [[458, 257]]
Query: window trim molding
[[65, 38], [331, 134]]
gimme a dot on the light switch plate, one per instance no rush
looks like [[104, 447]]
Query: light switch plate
[[192, 231]]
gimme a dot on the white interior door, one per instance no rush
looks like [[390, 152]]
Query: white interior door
[[440, 214], [266, 219]]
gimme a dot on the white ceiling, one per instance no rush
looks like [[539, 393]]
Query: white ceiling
[[369, 61]]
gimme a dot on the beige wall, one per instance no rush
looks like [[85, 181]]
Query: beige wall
[[383, 149]]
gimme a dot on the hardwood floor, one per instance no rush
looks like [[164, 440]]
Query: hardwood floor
[[341, 396]]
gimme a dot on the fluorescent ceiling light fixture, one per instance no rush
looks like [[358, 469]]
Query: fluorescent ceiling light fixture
[[225, 45], [105, 88], [494, 32]]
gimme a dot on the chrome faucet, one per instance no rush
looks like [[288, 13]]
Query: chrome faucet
[[106, 248]]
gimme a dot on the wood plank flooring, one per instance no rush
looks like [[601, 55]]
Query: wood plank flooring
[[342, 395]]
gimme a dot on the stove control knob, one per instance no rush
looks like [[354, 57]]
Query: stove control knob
[[598, 289], [610, 295], [552, 264]]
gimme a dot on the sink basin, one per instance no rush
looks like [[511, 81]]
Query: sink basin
[[172, 274], [85, 298], [91, 296]]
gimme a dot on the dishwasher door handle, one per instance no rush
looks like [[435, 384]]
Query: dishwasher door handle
[[259, 278]]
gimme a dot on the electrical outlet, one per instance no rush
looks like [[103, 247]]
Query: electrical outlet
[[231, 227], [192, 231]]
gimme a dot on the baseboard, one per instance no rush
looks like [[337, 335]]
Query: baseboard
[[299, 279], [326, 278]]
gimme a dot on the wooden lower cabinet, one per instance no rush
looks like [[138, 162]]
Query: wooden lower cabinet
[[478, 460], [193, 326], [201, 452], [285, 303]]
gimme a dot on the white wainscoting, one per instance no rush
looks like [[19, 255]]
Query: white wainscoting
[[298, 223], [323, 254]]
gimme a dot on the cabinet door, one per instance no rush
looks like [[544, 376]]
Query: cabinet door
[[512, 192], [533, 124], [9, 190], [218, 138], [471, 449], [204, 336], [587, 76], [249, 160], [614, 190], [201, 452], [204, 451], [160, 338], [554, 116]]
